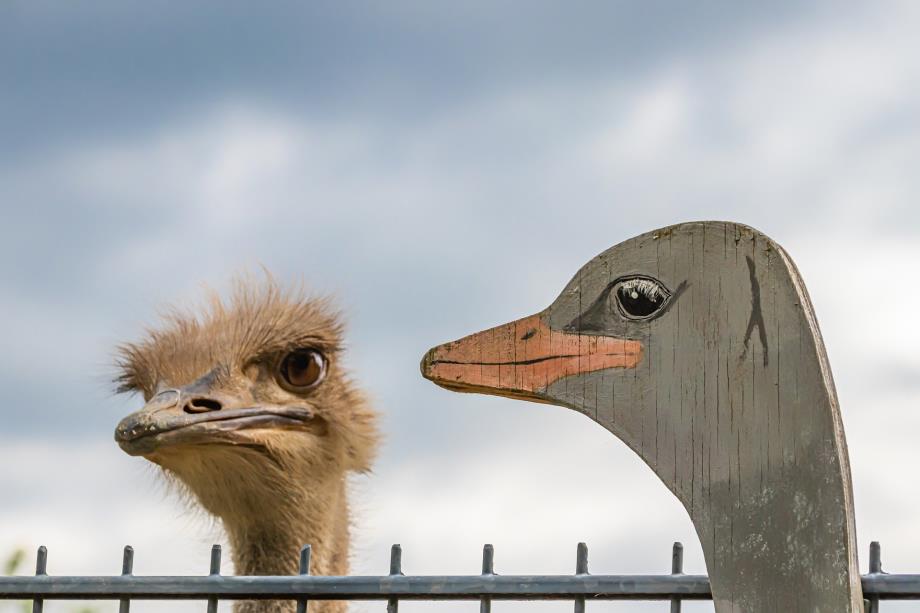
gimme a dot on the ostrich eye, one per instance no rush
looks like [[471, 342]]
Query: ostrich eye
[[641, 297], [302, 369]]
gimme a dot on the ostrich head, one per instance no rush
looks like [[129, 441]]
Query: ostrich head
[[249, 408]]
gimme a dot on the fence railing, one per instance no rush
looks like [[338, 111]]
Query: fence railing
[[485, 587]]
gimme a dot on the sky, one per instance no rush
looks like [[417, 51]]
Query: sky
[[440, 168]]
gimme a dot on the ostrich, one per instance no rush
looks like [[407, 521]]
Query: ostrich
[[249, 410]]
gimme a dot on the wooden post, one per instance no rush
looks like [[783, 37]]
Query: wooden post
[[697, 345]]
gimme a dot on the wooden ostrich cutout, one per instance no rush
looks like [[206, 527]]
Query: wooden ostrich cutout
[[697, 346], [249, 409]]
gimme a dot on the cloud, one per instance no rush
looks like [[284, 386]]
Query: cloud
[[111, 69]]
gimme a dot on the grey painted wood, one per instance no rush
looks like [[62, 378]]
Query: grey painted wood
[[731, 403]]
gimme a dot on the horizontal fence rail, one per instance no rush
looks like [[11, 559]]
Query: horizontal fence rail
[[396, 586]]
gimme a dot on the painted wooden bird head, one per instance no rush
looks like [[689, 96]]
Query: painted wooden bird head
[[625, 337], [697, 345]]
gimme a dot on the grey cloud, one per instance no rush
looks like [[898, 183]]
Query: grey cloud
[[105, 68]]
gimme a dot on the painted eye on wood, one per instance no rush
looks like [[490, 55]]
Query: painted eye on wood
[[302, 370], [640, 297]]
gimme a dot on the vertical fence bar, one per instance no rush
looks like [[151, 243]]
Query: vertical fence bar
[[395, 569], [41, 568], [304, 570], [488, 568], [581, 568], [677, 568], [875, 566], [127, 567], [215, 572]]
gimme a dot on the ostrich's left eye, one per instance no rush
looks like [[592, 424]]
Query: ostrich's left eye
[[302, 369], [641, 297]]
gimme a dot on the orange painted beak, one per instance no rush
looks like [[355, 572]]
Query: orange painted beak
[[523, 358]]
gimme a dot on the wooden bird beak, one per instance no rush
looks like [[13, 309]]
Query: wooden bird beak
[[523, 358]]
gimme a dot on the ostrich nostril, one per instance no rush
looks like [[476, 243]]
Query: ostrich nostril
[[202, 405]]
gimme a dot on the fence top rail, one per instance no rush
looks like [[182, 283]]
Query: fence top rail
[[430, 587]]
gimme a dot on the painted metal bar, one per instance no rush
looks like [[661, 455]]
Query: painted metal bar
[[215, 572], [677, 568], [581, 568], [488, 569], [127, 568], [431, 587], [305, 552], [395, 571], [875, 568], [41, 570]]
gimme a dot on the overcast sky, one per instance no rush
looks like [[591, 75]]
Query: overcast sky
[[441, 169]]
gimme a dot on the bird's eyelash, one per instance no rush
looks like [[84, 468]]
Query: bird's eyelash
[[272, 354], [645, 287]]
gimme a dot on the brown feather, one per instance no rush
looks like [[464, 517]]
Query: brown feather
[[288, 488]]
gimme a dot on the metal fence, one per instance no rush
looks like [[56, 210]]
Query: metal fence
[[485, 587]]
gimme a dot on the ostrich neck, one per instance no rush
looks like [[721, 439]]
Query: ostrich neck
[[270, 544]]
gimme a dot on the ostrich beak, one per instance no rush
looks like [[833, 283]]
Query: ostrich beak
[[181, 416], [523, 358], [154, 418]]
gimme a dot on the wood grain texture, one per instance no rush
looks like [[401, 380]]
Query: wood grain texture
[[728, 398]]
